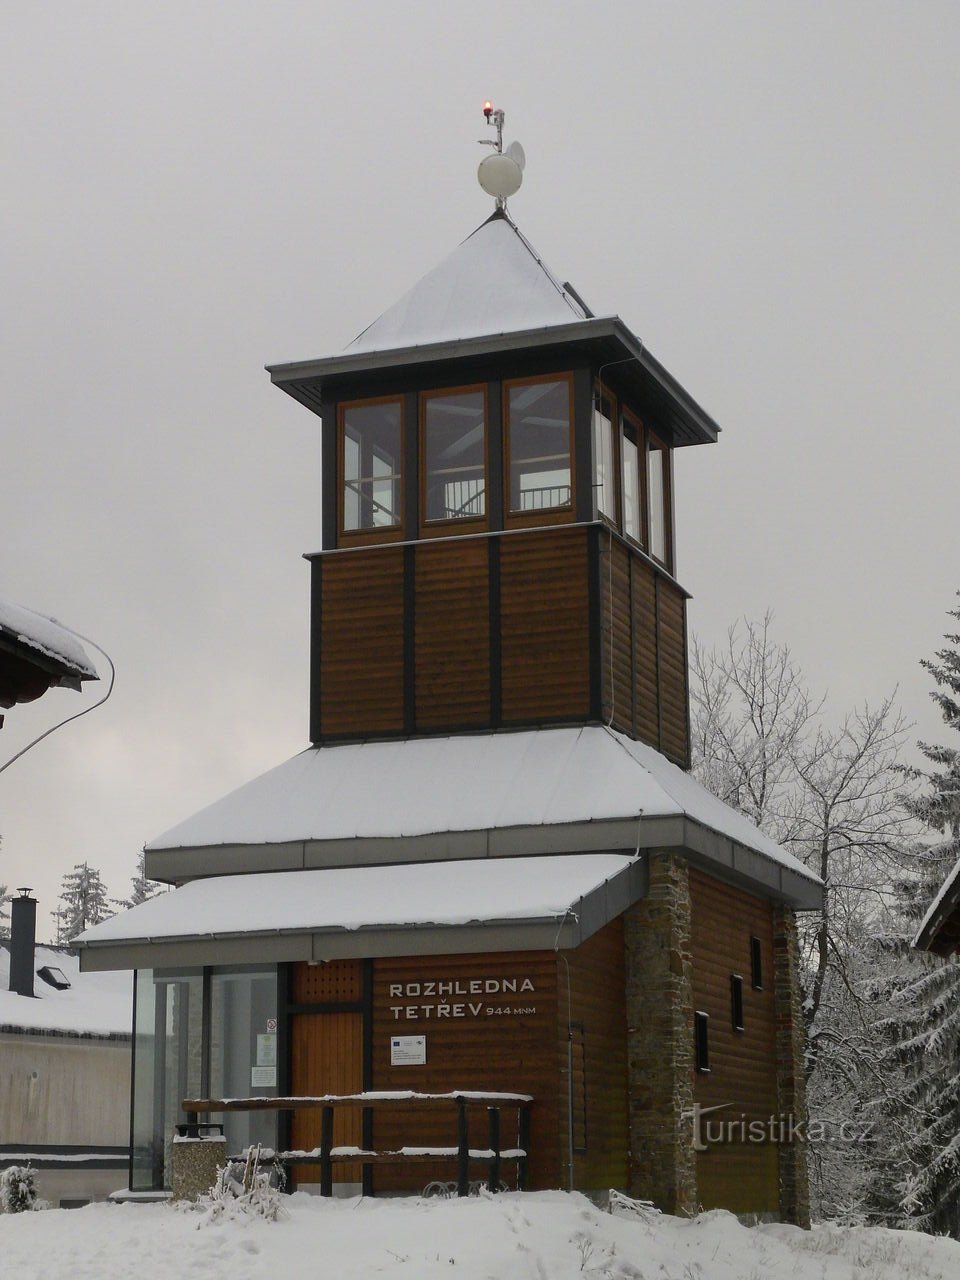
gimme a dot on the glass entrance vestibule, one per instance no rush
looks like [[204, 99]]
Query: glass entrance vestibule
[[209, 1032]]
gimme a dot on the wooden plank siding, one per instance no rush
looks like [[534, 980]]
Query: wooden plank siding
[[496, 1051], [452, 648], [643, 651], [545, 626], [597, 1012], [361, 642], [517, 629], [737, 1175]]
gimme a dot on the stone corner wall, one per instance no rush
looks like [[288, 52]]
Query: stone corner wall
[[791, 1078], [660, 1064]]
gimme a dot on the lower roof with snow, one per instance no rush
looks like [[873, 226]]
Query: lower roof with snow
[[431, 908], [474, 796], [95, 1005]]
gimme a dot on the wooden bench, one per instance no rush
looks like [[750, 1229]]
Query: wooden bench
[[326, 1155]]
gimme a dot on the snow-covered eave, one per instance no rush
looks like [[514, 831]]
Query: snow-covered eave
[[305, 379], [679, 833], [939, 930], [68, 669], [544, 930]]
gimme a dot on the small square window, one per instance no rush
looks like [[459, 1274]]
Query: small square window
[[736, 1001], [701, 1032], [756, 964]]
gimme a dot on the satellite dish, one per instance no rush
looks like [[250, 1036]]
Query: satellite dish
[[500, 175], [516, 153]]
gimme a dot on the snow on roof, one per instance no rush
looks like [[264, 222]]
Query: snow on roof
[[468, 782], [411, 894], [94, 1003], [934, 909], [47, 636], [494, 282]]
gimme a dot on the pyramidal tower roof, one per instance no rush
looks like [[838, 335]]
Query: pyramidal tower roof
[[491, 296], [494, 282]]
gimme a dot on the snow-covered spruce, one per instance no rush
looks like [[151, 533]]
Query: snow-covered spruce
[[18, 1189]]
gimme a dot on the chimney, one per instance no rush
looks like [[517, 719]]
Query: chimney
[[23, 937]]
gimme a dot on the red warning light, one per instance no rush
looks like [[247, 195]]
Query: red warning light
[[488, 110]]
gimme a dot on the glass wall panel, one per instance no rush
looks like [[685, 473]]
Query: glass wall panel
[[657, 477], [454, 431], [538, 445], [146, 1139], [372, 441], [605, 479], [243, 1051], [168, 1035]]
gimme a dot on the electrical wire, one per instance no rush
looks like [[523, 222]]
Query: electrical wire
[[77, 714]]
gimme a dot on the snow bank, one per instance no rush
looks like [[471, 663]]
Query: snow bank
[[543, 1236]]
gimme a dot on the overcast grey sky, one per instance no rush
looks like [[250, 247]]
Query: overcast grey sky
[[767, 193]]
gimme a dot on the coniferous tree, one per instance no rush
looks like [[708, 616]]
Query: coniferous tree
[[143, 888], [83, 901], [918, 1183], [4, 913]]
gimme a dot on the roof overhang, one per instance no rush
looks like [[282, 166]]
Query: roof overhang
[[524, 793], [275, 917], [600, 338], [939, 931]]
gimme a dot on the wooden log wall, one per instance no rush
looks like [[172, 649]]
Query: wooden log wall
[[644, 651], [738, 1175]]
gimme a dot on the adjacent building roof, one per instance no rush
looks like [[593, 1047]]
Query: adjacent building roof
[[94, 1004], [488, 795], [510, 904], [940, 929], [37, 652]]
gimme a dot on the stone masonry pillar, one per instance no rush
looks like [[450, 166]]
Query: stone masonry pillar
[[791, 1076], [660, 1066]]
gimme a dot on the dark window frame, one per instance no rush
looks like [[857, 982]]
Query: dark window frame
[[701, 1041], [565, 514], [756, 963], [601, 393], [656, 443], [736, 1002], [631, 422], [444, 527], [383, 533]]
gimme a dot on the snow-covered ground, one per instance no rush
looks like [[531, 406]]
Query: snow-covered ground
[[540, 1236]]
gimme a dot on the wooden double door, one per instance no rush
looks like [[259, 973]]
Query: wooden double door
[[326, 1056]]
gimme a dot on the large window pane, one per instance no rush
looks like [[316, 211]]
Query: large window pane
[[632, 526], [657, 477], [371, 444], [167, 1054], [243, 1051], [538, 445], [454, 428], [605, 480]]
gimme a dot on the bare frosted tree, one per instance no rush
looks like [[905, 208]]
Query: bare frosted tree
[[832, 796], [750, 711]]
